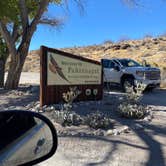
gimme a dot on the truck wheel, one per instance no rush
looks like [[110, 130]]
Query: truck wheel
[[127, 84]]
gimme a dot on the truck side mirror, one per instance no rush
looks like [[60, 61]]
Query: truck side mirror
[[117, 68], [148, 65]]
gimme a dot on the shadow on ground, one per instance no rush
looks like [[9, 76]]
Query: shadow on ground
[[19, 98], [147, 135], [156, 97], [153, 147]]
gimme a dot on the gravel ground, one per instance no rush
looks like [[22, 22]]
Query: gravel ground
[[140, 147]]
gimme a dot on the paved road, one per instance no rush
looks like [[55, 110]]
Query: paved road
[[155, 98], [29, 78]]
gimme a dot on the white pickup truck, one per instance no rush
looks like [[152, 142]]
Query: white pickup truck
[[126, 72]]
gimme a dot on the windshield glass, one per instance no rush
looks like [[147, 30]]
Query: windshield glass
[[129, 63]]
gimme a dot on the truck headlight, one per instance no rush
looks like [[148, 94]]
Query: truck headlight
[[140, 73]]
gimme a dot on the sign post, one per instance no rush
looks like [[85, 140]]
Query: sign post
[[60, 70]]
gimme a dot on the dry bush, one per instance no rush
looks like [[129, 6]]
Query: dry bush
[[162, 48], [97, 120], [147, 55], [125, 46], [65, 116], [131, 107], [69, 97], [132, 111], [108, 42]]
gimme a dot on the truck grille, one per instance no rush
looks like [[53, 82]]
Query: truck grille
[[152, 75]]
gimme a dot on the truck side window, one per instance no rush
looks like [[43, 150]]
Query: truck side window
[[107, 63], [112, 64]]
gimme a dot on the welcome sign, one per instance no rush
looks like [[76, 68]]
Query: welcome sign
[[63, 70], [60, 70]]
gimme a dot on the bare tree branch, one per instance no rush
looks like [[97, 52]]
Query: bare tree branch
[[80, 4], [132, 3], [24, 14], [42, 6], [51, 22]]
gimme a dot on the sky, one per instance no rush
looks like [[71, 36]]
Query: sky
[[101, 21]]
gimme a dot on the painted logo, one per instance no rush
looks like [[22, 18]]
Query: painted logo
[[54, 68]]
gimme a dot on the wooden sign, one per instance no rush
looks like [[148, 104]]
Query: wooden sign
[[60, 70]]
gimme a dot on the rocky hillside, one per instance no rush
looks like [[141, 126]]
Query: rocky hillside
[[151, 49]]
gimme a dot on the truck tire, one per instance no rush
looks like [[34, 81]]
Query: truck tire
[[128, 83]]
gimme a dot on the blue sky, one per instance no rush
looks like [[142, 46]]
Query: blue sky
[[101, 21]]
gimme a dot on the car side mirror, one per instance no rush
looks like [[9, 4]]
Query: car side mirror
[[148, 65], [117, 68], [27, 138]]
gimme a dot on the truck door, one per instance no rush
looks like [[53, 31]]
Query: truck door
[[110, 73]]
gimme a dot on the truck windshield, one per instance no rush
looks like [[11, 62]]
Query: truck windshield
[[129, 63]]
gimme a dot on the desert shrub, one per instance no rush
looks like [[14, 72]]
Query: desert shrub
[[125, 46], [116, 47], [154, 64], [108, 42], [143, 43], [97, 120], [162, 38], [148, 36], [132, 111], [147, 55], [131, 107], [155, 42], [134, 96], [69, 97], [66, 118], [162, 48], [107, 48]]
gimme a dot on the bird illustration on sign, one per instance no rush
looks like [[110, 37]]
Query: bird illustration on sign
[[54, 68]]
